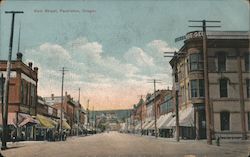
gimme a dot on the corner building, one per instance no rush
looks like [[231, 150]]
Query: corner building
[[228, 82]]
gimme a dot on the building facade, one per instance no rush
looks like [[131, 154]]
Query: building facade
[[228, 82], [22, 96]]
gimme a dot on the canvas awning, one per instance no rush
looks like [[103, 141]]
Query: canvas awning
[[186, 118], [65, 125], [149, 125], [138, 126], [25, 119], [46, 122], [145, 124], [166, 118]]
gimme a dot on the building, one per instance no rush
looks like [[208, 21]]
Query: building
[[228, 84], [22, 96], [73, 113]]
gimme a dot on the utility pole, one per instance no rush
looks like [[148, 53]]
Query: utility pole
[[155, 107], [206, 79], [6, 85], [88, 115], [78, 112], [63, 72], [176, 93]]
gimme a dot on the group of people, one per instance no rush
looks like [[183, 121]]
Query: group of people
[[55, 135]]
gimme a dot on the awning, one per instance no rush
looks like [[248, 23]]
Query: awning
[[46, 122], [149, 125], [65, 125], [145, 124], [166, 119], [138, 126], [25, 119], [186, 118]]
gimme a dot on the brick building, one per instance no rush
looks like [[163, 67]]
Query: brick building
[[22, 95]]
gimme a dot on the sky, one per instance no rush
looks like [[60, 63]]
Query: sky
[[111, 49]]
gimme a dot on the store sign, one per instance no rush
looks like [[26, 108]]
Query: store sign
[[190, 35]]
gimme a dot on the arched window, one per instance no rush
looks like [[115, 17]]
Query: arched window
[[225, 120]]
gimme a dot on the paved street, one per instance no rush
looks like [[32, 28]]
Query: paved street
[[115, 144]]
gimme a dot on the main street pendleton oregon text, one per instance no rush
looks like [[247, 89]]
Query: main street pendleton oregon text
[[125, 78]]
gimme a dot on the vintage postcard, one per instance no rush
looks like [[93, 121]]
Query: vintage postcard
[[125, 78]]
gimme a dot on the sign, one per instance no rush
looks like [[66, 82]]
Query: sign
[[190, 35]]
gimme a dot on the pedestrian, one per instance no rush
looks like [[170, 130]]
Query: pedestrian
[[13, 136]]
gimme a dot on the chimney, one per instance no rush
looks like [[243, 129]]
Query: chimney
[[30, 64], [36, 69], [52, 96], [19, 56]]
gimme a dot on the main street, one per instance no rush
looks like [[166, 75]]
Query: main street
[[114, 144]]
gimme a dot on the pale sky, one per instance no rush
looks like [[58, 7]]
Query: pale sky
[[111, 48]]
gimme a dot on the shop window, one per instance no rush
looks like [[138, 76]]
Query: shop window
[[196, 61], [225, 121], [247, 60], [223, 88], [197, 88], [248, 87], [221, 62]]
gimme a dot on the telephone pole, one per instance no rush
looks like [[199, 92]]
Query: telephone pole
[[62, 110], [176, 93], [6, 85], [206, 79], [78, 112], [154, 81]]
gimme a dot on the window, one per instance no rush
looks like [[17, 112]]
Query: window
[[201, 88], [32, 95], [221, 62], [197, 88], [223, 88], [196, 61], [194, 89], [248, 88], [225, 121], [247, 64]]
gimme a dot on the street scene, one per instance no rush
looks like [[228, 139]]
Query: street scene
[[125, 78]]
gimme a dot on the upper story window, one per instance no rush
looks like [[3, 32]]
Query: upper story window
[[196, 61], [223, 88], [197, 88], [248, 87], [221, 62], [247, 60], [225, 121]]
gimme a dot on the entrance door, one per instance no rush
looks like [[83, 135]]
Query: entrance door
[[202, 124]]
